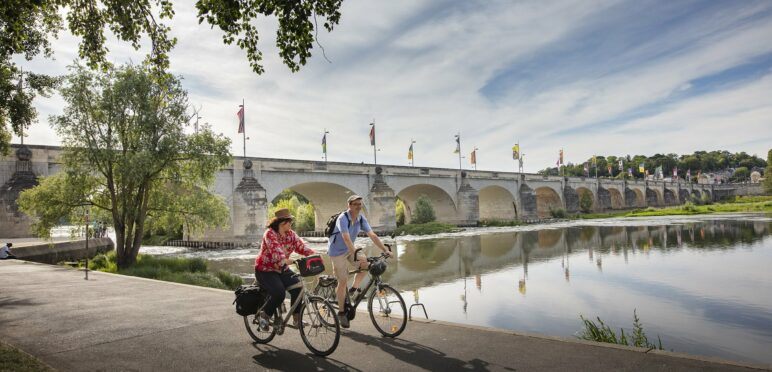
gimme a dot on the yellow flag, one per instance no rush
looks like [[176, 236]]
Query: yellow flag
[[516, 151]]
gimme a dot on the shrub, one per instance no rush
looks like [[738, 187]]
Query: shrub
[[585, 202], [689, 207], [558, 213], [424, 212], [603, 333], [229, 280], [400, 212]]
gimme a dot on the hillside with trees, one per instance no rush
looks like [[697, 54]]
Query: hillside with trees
[[739, 165]]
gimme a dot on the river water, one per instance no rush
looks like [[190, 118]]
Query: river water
[[703, 285]]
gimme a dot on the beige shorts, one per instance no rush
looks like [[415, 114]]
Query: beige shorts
[[342, 264]]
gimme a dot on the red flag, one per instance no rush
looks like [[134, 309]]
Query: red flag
[[240, 114], [372, 135], [473, 158]]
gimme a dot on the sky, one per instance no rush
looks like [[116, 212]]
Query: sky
[[602, 77]]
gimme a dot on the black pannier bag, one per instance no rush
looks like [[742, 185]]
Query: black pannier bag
[[311, 265], [249, 298]]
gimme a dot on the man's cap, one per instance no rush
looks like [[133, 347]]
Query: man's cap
[[353, 198]]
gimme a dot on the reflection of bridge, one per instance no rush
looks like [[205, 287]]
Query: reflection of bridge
[[426, 263], [460, 198]]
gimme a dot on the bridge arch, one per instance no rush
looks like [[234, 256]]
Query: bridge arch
[[617, 201], [670, 197], [634, 198], [697, 194], [444, 207], [496, 203], [683, 195], [653, 196], [546, 201], [707, 194], [326, 197]]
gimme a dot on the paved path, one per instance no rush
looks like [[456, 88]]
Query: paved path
[[114, 322]]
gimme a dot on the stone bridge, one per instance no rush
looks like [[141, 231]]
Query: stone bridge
[[459, 197]]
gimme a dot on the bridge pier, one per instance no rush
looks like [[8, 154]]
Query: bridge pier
[[468, 207], [382, 212]]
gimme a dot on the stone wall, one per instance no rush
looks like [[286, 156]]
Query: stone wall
[[64, 251]]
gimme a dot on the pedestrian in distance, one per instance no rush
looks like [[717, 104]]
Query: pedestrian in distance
[[5, 251], [342, 253], [272, 264]]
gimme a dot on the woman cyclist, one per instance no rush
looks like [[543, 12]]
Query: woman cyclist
[[272, 264]]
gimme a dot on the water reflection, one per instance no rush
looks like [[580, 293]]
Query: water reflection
[[702, 285]]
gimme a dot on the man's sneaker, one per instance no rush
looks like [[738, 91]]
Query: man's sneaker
[[263, 322], [343, 319]]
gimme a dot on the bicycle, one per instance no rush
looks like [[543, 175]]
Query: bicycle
[[388, 319], [318, 322]]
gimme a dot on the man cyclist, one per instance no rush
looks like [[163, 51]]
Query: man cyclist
[[341, 251]]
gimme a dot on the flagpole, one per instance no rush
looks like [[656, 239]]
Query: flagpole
[[244, 133], [475, 157], [375, 157], [458, 141]]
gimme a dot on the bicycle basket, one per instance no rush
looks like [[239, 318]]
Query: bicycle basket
[[311, 265], [378, 267], [248, 299]]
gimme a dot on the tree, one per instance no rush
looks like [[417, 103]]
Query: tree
[[424, 212], [400, 212], [741, 174], [27, 26], [126, 155], [585, 201], [768, 174]]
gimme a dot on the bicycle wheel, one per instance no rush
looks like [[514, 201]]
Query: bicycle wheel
[[327, 293], [253, 328], [319, 327], [387, 311]]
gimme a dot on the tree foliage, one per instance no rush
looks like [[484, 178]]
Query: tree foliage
[[299, 207], [699, 161], [768, 174], [126, 155], [585, 201], [26, 28], [400, 212], [424, 212]]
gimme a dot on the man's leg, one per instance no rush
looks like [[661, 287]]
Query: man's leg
[[362, 264], [340, 269]]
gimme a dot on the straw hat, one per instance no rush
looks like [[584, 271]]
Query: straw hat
[[281, 215]]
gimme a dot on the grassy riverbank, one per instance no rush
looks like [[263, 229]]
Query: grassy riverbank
[[171, 269], [16, 360], [740, 204]]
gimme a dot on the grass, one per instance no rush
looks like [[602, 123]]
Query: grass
[[601, 332], [171, 269], [486, 223], [425, 229], [16, 360], [740, 204]]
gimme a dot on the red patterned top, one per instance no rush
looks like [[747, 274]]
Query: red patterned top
[[276, 248]]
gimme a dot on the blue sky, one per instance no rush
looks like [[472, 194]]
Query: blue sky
[[595, 76]]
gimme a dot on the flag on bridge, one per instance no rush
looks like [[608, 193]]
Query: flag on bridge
[[586, 170], [324, 143], [621, 166], [473, 157], [516, 151], [560, 160], [642, 168], [594, 161], [240, 114], [372, 135], [610, 172], [458, 144], [630, 171], [410, 152]]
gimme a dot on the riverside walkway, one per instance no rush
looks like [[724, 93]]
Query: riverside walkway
[[120, 323]]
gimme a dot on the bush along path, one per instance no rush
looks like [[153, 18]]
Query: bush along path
[[171, 269]]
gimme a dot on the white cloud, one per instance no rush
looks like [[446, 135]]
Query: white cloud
[[418, 68]]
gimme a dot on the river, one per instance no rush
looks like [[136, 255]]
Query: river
[[702, 284]]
